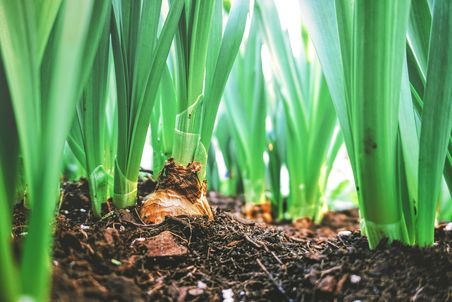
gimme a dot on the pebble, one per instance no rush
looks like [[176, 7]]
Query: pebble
[[201, 285], [141, 239], [344, 233], [82, 210], [195, 292], [228, 295], [448, 227], [84, 227], [66, 212], [355, 279]]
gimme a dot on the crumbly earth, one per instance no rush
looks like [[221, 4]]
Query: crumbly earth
[[117, 258]]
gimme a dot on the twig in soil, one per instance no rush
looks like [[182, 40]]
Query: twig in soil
[[272, 279], [139, 224], [276, 257], [239, 219], [330, 270], [139, 217], [332, 244], [255, 244]]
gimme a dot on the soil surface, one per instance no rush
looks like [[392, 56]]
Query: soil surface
[[117, 258]]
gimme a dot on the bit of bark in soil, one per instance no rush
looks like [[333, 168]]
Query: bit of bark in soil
[[110, 260]]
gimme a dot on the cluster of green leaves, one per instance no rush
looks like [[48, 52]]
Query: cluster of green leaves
[[245, 102], [140, 50], [47, 50], [223, 172], [310, 144], [193, 83], [394, 109], [87, 75], [93, 134]]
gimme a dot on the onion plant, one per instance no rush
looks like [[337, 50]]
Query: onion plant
[[163, 120], [9, 159], [277, 155], [72, 169], [245, 101], [92, 134], [140, 50], [204, 55], [397, 154], [310, 119], [47, 48], [223, 158]]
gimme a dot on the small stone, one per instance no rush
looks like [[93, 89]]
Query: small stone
[[83, 210], [140, 239], [195, 291], [228, 295], [84, 227], [201, 285], [165, 245], [355, 279], [344, 233], [448, 227], [65, 212]]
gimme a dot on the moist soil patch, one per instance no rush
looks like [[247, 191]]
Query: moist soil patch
[[117, 258]]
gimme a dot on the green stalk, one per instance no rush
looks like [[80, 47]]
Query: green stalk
[[376, 83], [191, 56], [37, 86], [277, 144], [203, 63], [9, 158], [72, 169], [246, 108], [162, 123], [140, 54], [90, 135], [223, 153], [436, 121], [397, 158], [309, 113]]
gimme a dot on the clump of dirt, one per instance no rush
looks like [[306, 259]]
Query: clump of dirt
[[117, 258]]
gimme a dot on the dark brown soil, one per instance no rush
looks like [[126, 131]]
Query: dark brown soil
[[233, 259]]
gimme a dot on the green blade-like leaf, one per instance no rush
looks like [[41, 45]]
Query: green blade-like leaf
[[232, 37], [436, 120]]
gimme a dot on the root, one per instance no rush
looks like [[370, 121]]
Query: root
[[179, 192]]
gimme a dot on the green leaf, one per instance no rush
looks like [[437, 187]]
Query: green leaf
[[436, 121], [140, 54]]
